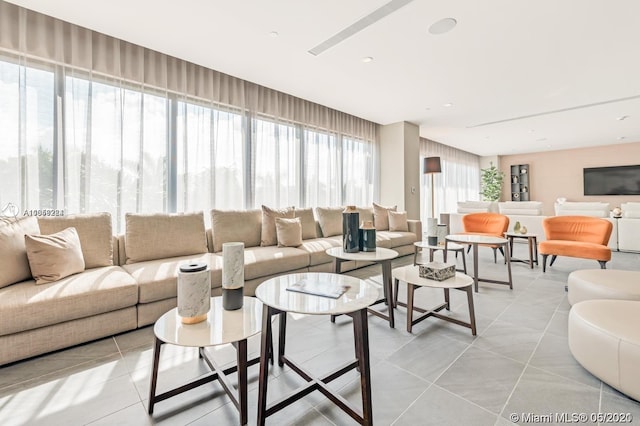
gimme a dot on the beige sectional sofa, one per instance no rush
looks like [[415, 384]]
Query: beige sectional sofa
[[130, 280]]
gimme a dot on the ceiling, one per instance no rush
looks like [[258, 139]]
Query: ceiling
[[523, 76]]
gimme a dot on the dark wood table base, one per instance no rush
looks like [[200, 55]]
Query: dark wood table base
[[387, 298], [476, 279], [532, 242], [434, 312], [361, 363], [238, 398]]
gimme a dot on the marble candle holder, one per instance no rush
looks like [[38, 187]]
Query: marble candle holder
[[194, 292], [232, 275]]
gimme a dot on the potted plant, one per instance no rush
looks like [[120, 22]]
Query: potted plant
[[491, 183]]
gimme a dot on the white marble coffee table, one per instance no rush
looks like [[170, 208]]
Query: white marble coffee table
[[220, 327], [411, 275], [474, 241], [278, 301], [383, 256]]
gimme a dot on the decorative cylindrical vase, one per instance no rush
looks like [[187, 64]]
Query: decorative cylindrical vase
[[232, 275], [367, 236], [442, 231], [432, 231], [194, 292], [350, 230]]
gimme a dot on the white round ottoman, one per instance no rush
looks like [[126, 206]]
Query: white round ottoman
[[604, 337], [589, 284]]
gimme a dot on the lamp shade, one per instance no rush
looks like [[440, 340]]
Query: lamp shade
[[432, 165]]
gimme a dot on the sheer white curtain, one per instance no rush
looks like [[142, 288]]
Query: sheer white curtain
[[92, 123], [459, 180]]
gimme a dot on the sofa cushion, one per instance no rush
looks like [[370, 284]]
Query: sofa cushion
[[308, 223], [289, 232], [330, 219], [392, 239], [54, 256], [579, 208], [398, 221], [236, 226], [317, 249], [263, 261], [159, 236], [269, 215], [95, 233], [476, 207], [630, 210], [25, 306], [381, 216], [366, 214], [527, 208], [158, 279], [14, 263]]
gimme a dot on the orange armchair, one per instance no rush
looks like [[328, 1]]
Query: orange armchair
[[576, 236], [491, 224]]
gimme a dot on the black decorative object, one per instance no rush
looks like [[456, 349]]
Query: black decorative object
[[350, 230], [367, 236]]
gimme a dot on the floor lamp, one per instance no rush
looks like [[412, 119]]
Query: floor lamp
[[432, 166]]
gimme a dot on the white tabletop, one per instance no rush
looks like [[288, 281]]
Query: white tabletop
[[410, 274], [425, 244], [518, 234], [220, 327], [360, 294], [476, 239], [369, 256]]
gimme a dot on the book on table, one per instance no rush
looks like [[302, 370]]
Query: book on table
[[319, 288]]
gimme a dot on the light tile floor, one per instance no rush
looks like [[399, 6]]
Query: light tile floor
[[438, 375]]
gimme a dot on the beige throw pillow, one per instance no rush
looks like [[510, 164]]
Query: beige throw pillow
[[308, 223], [14, 263], [330, 219], [289, 232], [54, 256], [398, 221], [381, 216], [269, 216], [159, 236], [235, 226], [94, 231]]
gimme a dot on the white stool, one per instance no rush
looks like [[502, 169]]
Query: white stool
[[589, 284], [604, 338]]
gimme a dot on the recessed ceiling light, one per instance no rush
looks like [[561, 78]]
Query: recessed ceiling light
[[541, 140], [623, 117], [531, 130], [620, 138], [448, 104], [442, 26], [274, 34], [428, 109], [367, 59]]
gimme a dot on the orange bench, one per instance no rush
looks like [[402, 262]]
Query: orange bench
[[576, 236]]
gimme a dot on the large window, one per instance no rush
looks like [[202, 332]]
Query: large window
[[85, 143], [115, 149], [26, 136]]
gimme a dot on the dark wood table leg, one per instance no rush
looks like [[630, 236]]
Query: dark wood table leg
[[445, 251], [396, 288], [530, 244], [415, 255], [386, 282], [282, 319], [431, 254], [464, 262], [508, 257], [535, 249], [265, 349], [475, 266], [361, 334], [154, 374], [446, 299], [472, 313], [410, 291], [241, 348]]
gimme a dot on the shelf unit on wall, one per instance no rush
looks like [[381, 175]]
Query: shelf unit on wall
[[520, 182]]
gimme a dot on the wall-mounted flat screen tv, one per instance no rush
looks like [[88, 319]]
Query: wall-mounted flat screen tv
[[620, 180]]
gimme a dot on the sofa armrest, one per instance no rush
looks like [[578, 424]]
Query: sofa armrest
[[415, 226]]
